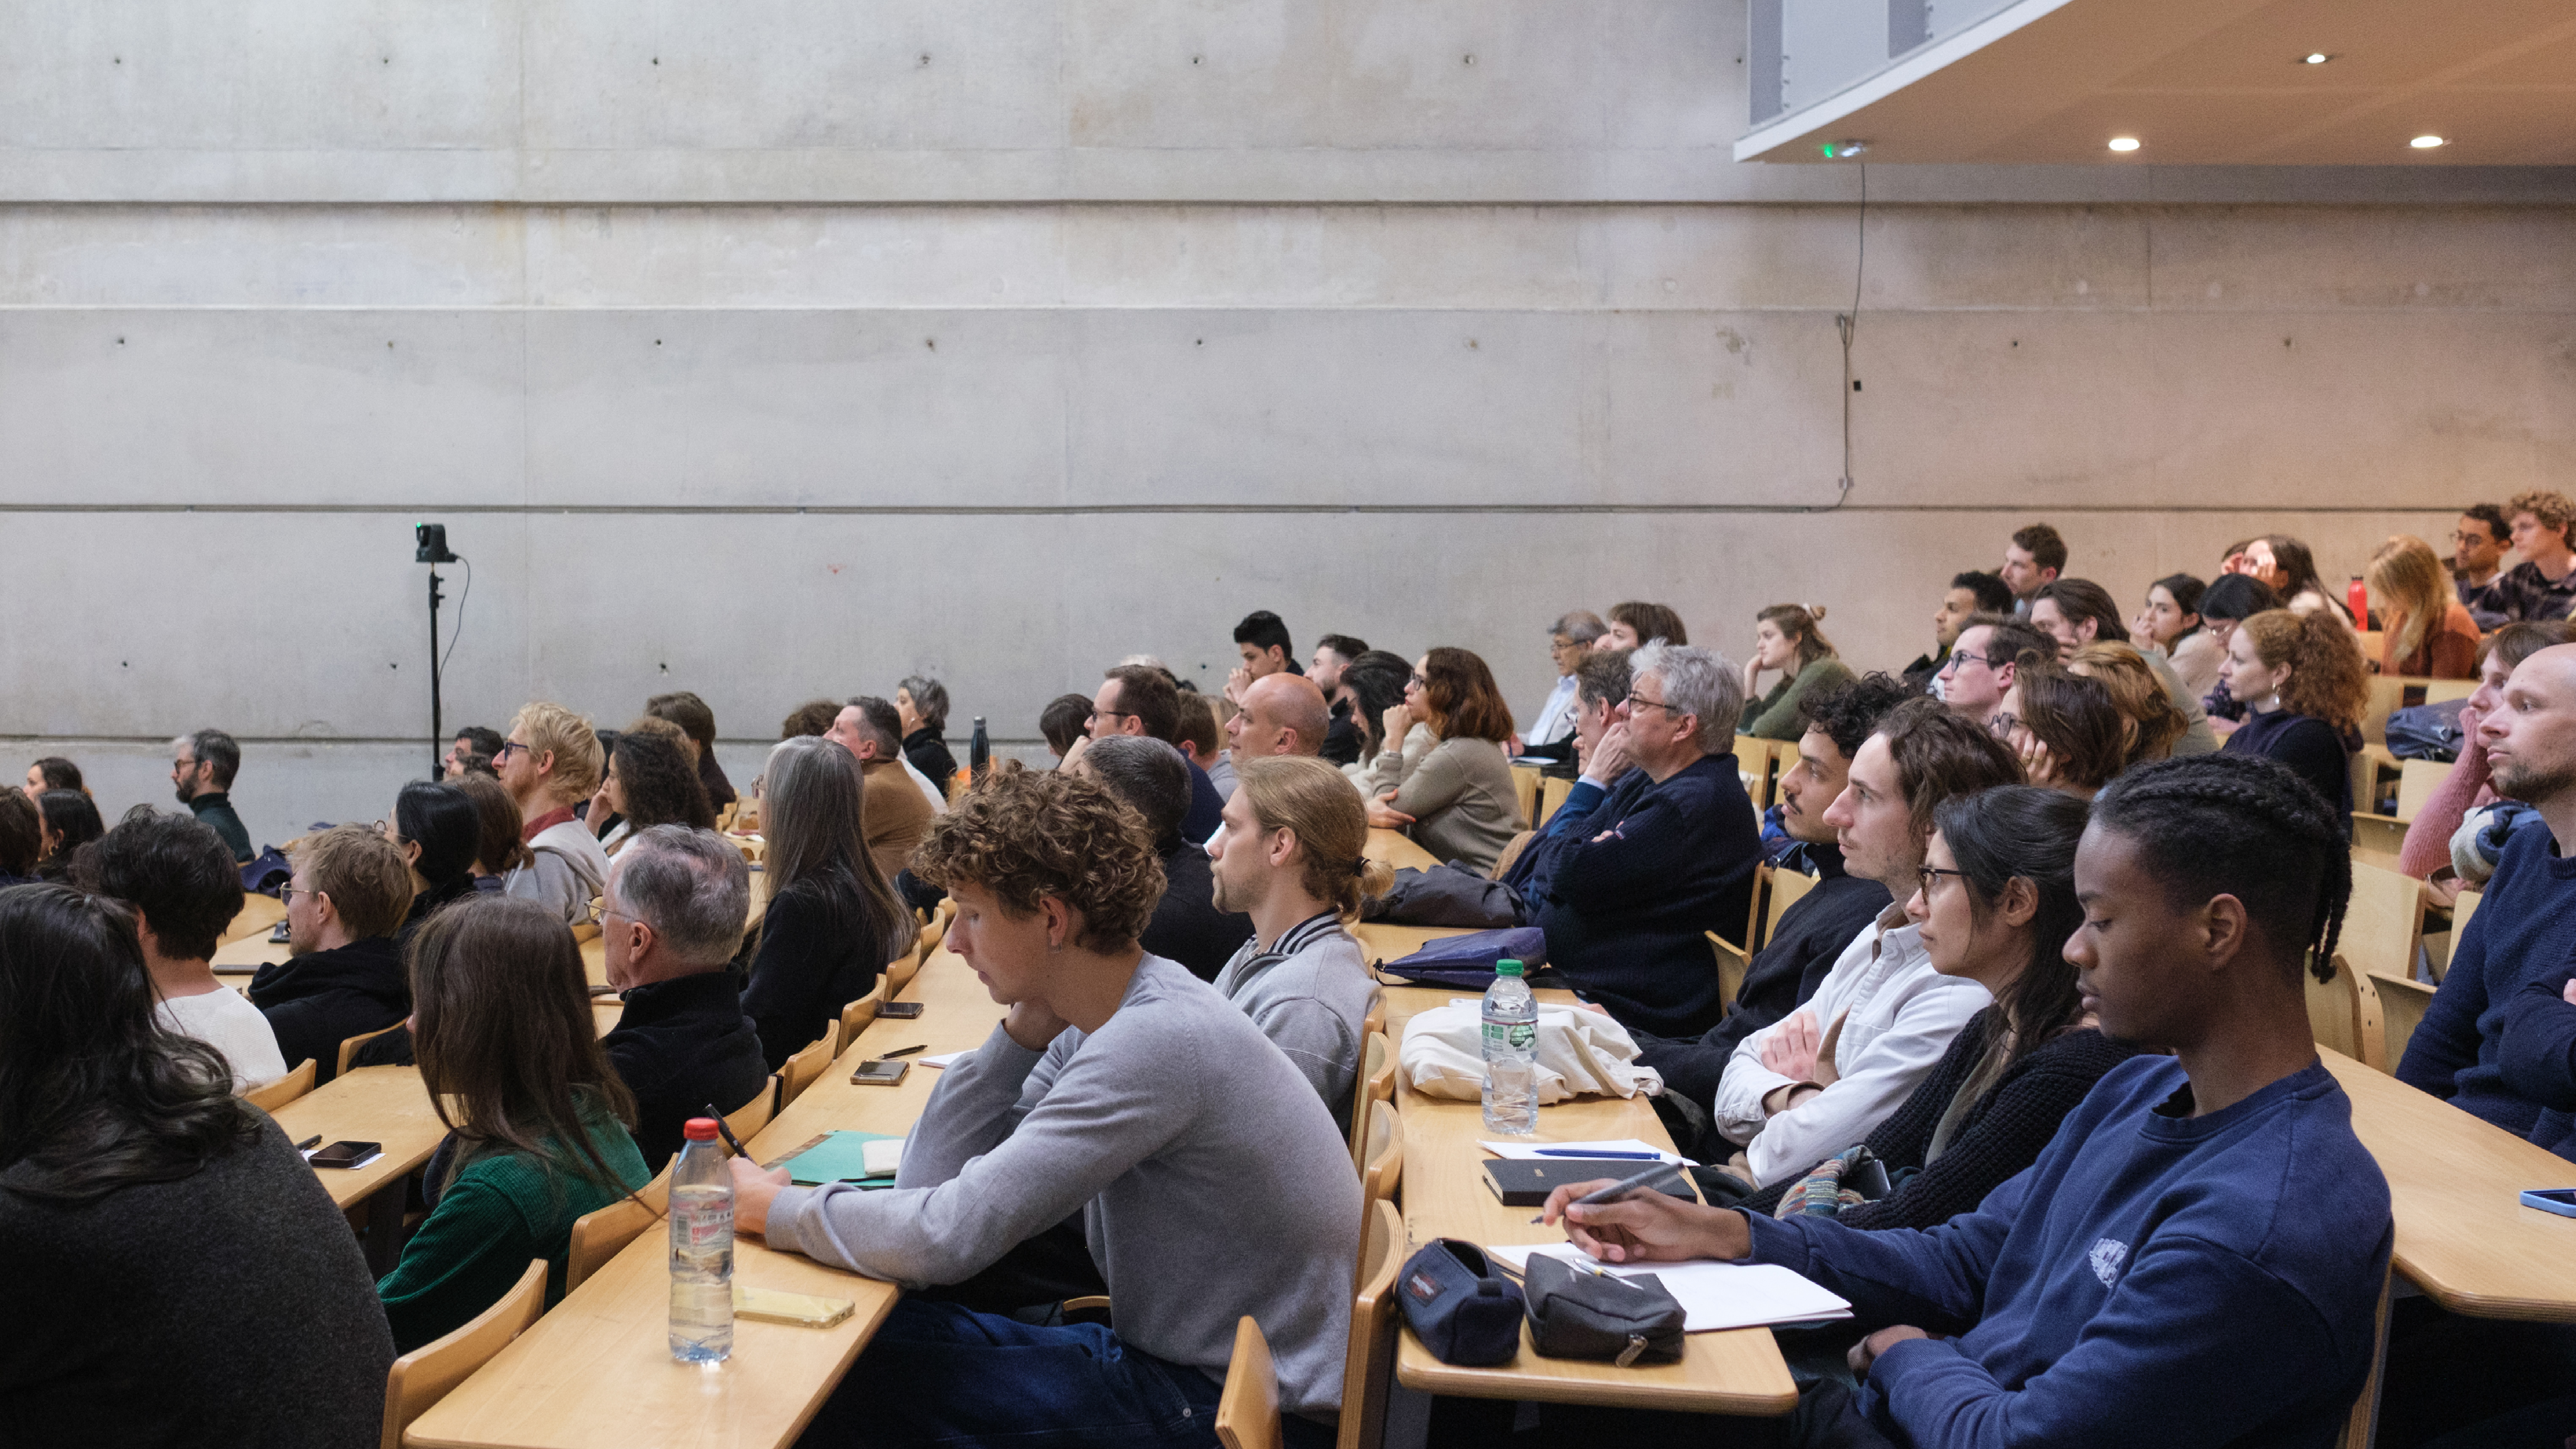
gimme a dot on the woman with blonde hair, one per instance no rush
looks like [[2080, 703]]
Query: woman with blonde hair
[[2427, 631], [2302, 681], [1290, 855], [1785, 638], [2149, 722]]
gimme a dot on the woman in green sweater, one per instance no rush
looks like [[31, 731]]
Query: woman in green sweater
[[1786, 638], [538, 1121]]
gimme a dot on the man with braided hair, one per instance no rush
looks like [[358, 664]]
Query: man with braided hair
[[2197, 1256]]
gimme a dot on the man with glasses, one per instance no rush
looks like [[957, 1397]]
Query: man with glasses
[[1135, 699], [1979, 672], [1664, 855], [1551, 731], [672, 919], [1805, 1088], [345, 978], [550, 762], [201, 772], [2478, 547]]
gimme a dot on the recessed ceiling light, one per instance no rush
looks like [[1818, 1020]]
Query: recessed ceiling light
[[2427, 143], [2124, 143], [2315, 57]]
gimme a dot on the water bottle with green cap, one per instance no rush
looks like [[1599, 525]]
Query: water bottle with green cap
[[1511, 1053]]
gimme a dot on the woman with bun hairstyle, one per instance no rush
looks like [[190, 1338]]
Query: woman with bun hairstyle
[[2300, 676], [1785, 638]]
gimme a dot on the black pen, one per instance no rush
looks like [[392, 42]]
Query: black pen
[[730, 1140], [1621, 1188], [309, 1143], [903, 1051]]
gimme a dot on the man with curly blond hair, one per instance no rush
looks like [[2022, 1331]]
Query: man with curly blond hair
[[2543, 585], [1209, 1176]]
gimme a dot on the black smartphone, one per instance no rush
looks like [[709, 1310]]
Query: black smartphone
[[345, 1154], [900, 1010], [878, 1072], [278, 934]]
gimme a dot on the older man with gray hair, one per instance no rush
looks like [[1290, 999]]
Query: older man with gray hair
[[672, 918], [1569, 643], [1662, 853]]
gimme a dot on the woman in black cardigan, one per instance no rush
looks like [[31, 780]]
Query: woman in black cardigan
[[833, 922], [1997, 904]]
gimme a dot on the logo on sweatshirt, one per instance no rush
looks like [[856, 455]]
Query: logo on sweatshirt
[[2106, 1258]]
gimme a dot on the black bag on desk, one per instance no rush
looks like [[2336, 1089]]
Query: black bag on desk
[[2427, 731], [1445, 895], [1461, 1309], [1576, 1312]]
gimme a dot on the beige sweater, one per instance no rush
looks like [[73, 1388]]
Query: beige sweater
[[1459, 793]]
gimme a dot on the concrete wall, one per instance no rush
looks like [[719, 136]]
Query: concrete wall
[[783, 350]]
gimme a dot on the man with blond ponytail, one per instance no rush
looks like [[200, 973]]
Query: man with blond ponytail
[[1289, 856]]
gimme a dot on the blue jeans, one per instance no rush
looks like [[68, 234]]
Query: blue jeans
[[937, 1373]]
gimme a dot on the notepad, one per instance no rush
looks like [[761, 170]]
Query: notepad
[[862, 1159], [1714, 1295]]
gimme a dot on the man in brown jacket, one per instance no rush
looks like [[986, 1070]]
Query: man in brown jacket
[[897, 815]]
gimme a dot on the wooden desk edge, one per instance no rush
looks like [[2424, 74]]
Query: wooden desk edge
[[1415, 1368]]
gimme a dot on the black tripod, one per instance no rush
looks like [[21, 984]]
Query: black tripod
[[432, 550]]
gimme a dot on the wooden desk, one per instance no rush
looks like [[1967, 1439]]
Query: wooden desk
[[1397, 849], [258, 913], [1443, 1194], [2454, 1186], [367, 1104], [596, 1370], [245, 955], [1382, 941]]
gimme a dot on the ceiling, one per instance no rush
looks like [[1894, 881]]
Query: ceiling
[[2216, 82]]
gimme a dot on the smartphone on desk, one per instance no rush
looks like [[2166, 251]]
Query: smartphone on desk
[[346, 1154], [879, 1072], [2559, 1200], [278, 935], [900, 1010]]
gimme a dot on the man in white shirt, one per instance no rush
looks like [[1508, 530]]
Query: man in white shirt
[[1569, 641], [178, 878], [550, 761], [1798, 1092]]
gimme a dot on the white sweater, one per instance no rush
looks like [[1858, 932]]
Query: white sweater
[[1901, 1017]]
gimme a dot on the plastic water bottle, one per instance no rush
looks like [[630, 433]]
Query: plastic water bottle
[[1511, 1053], [979, 752], [701, 1248]]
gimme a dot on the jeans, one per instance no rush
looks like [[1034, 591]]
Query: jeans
[[938, 1373]]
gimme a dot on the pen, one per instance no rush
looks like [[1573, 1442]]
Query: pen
[[1607, 1156], [730, 1140], [309, 1143], [903, 1051], [1620, 1189]]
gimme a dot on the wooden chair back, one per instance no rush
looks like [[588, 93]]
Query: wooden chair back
[[2401, 1010], [1247, 1413], [1731, 961], [932, 933], [1376, 1084], [806, 1067], [1375, 1019], [2438, 690], [2384, 925], [602, 1235], [2416, 782], [1384, 1159], [900, 971], [1787, 886], [2344, 1014], [2361, 1427], [422, 1377], [856, 1016], [1525, 792], [2461, 909], [349, 1046], [1551, 794], [747, 1119], [1368, 1368], [270, 1096], [2389, 692]]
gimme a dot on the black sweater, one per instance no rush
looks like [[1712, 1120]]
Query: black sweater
[[231, 1306], [683, 1046], [2307, 745], [1187, 927], [929, 754], [807, 970], [1813, 935], [320, 999], [1635, 884], [2001, 1135]]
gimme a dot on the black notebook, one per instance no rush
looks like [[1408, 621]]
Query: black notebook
[[1526, 1182]]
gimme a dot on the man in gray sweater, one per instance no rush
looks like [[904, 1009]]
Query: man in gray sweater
[[1211, 1181], [1289, 855]]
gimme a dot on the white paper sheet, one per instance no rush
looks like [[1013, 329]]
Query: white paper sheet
[[942, 1061], [1713, 1295], [1541, 1151]]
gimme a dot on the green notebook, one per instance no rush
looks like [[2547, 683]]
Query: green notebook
[[836, 1157]]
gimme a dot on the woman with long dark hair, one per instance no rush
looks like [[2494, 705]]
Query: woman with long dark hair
[[1456, 800], [1996, 904], [2170, 625], [538, 1123], [71, 821], [437, 828], [833, 922], [1376, 682], [157, 1224], [1788, 638], [651, 781]]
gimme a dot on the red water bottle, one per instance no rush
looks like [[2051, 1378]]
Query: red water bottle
[[2357, 595]]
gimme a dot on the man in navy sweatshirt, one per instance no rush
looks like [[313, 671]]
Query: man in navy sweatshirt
[[2197, 1256], [2528, 914]]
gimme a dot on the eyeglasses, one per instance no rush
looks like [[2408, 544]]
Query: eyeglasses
[[287, 892], [1417, 682], [1635, 701], [503, 753], [1927, 875], [2003, 724], [1109, 713]]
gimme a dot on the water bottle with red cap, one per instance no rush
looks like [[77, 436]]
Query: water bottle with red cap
[[701, 1248]]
